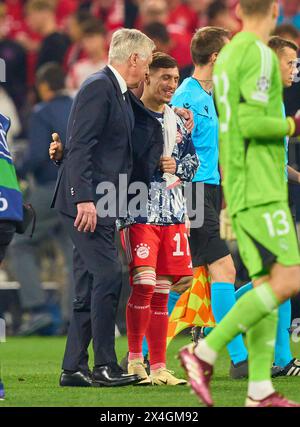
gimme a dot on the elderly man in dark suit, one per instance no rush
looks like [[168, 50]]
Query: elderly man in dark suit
[[99, 147]]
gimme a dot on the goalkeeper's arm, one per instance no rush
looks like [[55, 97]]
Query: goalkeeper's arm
[[254, 123]]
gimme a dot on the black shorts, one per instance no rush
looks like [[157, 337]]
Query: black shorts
[[7, 230], [205, 242]]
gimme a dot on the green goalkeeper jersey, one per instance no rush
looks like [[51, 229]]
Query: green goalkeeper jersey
[[248, 92]]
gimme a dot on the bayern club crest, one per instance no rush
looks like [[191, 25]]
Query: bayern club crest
[[142, 250]]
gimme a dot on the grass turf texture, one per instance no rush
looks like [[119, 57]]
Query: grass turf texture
[[31, 368]]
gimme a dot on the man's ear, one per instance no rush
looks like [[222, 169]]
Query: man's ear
[[133, 59], [238, 11]]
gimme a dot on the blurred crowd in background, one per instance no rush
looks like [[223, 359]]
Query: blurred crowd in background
[[50, 47], [76, 35]]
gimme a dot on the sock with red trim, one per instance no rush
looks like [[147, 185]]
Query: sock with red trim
[[158, 326], [138, 311]]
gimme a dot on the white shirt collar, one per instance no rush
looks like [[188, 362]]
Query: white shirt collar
[[121, 81]]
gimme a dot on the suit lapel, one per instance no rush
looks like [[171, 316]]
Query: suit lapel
[[121, 101]]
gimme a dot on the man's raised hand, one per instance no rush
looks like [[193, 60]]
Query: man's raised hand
[[56, 149]]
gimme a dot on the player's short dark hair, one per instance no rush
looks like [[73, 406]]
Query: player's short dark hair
[[286, 29], [205, 42], [157, 30], [278, 44], [216, 8], [52, 74], [256, 7], [92, 26], [162, 60]]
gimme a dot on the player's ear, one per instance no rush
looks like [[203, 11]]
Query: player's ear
[[275, 10], [213, 58], [238, 11], [147, 79]]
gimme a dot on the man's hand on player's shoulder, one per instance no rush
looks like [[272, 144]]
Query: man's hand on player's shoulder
[[188, 116]]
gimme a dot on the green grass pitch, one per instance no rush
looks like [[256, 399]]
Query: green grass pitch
[[31, 368]]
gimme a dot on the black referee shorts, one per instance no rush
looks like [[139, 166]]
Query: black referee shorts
[[7, 230], [205, 242]]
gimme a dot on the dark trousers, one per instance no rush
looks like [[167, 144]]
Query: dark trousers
[[7, 230], [24, 252], [98, 281]]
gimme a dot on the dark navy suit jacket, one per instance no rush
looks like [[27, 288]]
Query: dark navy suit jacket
[[101, 144]]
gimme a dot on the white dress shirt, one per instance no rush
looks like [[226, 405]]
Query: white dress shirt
[[120, 79]]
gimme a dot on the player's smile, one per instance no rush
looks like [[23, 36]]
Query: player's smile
[[169, 93]]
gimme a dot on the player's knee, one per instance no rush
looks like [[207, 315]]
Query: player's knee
[[287, 284], [231, 273], [223, 270], [294, 281], [143, 283]]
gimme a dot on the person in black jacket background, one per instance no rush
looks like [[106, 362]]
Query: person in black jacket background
[[52, 113]]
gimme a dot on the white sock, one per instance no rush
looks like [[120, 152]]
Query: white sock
[[204, 352], [259, 390]]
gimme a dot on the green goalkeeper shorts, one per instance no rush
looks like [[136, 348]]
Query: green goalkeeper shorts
[[266, 235]]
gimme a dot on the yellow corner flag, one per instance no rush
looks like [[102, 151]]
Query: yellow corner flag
[[193, 307]]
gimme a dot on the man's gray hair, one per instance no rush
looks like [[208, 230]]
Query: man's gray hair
[[125, 42]]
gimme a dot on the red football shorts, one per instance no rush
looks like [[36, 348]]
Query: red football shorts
[[163, 247]]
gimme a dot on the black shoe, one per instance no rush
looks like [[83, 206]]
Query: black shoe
[[147, 363], [292, 369], [75, 379], [124, 364], [197, 333], [112, 375], [276, 371], [239, 370]]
